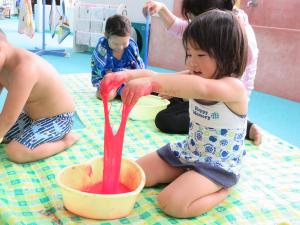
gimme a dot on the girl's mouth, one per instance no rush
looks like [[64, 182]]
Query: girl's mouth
[[197, 72]]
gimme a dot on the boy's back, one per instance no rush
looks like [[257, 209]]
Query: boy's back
[[32, 84], [38, 112]]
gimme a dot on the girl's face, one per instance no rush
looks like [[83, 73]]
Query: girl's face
[[118, 43], [200, 63]]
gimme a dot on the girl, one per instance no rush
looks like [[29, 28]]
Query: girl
[[201, 168], [114, 52], [175, 118]]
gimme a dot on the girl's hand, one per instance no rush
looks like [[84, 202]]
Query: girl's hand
[[184, 72], [111, 82], [116, 77], [165, 96], [152, 7], [135, 89]]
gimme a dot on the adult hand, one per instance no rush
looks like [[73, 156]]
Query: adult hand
[[152, 7]]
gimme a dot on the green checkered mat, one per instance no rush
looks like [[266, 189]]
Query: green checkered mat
[[268, 191]]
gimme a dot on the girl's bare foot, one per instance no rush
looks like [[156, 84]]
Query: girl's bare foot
[[255, 135]]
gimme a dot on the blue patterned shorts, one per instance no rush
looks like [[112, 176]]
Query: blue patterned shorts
[[32, 133], [215, 174]]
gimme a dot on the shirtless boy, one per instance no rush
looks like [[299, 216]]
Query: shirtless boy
[[37, 115]]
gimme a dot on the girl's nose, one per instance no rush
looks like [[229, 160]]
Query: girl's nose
[[192, 62]]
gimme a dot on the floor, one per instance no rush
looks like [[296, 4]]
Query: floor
[[278, 116]]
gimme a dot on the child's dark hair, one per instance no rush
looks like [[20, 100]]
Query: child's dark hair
[[118, 25], [196, 7], [220, 35]]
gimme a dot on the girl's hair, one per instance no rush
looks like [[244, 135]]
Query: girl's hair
[[220, 35], [118, 25], [196, 7]]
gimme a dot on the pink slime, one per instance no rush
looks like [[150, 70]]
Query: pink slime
[[113, 143]]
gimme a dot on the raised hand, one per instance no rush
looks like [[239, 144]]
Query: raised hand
[[152, 7]]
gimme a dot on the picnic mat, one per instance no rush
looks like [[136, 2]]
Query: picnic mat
[[268, 191]]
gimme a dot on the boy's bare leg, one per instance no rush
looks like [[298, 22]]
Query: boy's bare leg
[[157, 171], [19, 153], [191, 194], [255, 135]]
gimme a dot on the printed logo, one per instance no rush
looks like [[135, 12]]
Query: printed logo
[[215, 115]]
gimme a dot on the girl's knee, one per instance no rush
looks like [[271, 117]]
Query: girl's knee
[[171, 206], [181, 208]]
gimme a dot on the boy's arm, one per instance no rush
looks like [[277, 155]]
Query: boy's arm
[[18, 93], [138, 62], [97, 68]]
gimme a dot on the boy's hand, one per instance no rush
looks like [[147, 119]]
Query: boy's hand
[[152, 7], [135, 89]]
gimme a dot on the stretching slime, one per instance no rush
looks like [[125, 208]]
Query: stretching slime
[[113, 143]]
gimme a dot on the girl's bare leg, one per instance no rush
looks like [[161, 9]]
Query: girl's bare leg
[[19, 153], [157, 170], [191, 194]]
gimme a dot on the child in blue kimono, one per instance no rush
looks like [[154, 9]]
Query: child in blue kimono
[[114, 52]]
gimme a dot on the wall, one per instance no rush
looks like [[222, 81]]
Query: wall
[[134, 10], [134, 7], [165, 50], [277, 28]]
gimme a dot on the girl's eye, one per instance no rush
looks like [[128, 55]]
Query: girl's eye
[[201, 55], [188, 55]]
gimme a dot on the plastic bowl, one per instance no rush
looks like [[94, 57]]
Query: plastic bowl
[[147, 107], [75, 178]]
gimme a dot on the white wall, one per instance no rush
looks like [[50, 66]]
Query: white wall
[[134, 7]]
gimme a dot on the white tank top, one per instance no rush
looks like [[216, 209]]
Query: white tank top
[[216, 137], [216, 115]]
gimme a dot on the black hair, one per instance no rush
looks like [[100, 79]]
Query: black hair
[[118, 25], [220, 34], [196, 7]]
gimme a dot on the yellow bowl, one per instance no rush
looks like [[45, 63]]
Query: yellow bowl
[[75, 178], [147, 107]]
